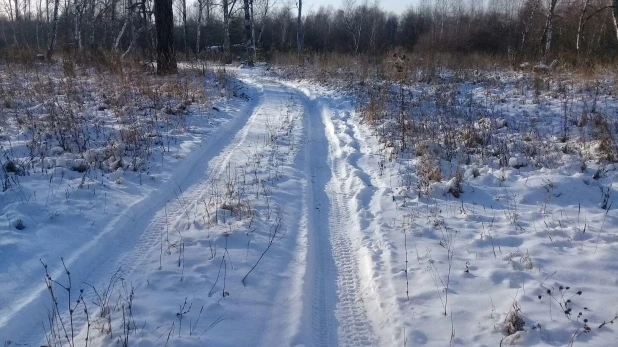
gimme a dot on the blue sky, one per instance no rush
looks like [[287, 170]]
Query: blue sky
[[396, 6]]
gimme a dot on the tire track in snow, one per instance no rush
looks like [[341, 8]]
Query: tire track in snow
[[354, 324], [370, 198], [382, 254], [337, 285], [172, 215], [321, 286]]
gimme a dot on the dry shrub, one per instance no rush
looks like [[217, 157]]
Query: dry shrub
[[514, 321], [375, 110], [601, 132], [23, 56], [239, 210], [472, 138], [457, 189], [428, 171], [98, 116]]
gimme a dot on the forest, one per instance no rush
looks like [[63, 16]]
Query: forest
[[579, 31]]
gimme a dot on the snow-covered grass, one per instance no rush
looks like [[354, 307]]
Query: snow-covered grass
[[403, 207], [489, 218], [83, 156]]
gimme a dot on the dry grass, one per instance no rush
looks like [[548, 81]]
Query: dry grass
[[101, 118]]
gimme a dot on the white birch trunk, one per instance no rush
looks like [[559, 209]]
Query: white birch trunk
[[615, 16], [299, 29], [54, 32]]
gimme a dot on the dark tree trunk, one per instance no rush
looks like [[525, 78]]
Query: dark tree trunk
[[226, 32], [253, 34], [17, 16], [164, 20], [184, 28], [248, 33], [200, 9], [76, 28]]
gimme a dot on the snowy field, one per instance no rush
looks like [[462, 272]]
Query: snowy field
[[249, 209]]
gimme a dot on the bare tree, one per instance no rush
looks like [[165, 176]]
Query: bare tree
[[354, 16], [200, 12], [54, 31], [583, 18], [249, 32], [164, 19], [127, 19], [533, 8], [299, 28], [226, 29], [496, 26], [92, 19], [253, 32], [283, 22], [228, 8], [17, 15], [582, 22], [615, 16], [76, 27], [548, 32], [263, 8], [39, 20], [184, 27]]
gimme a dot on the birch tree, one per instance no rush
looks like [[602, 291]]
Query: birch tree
[[200, 11], [354, 16], [615, 16], [548, 32], [584, 18], [263, 7], [54, 31], [533, 8], [580, 26], [299, 28]]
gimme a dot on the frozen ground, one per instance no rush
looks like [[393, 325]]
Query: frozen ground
[[286, 220]]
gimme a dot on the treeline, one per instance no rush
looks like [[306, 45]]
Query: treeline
[[520, 29]]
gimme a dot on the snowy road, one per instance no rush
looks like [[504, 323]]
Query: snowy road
[[282, 219], [310, 290], [122, 240]]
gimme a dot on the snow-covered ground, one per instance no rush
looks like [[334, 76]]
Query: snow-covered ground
[[288, 218]]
